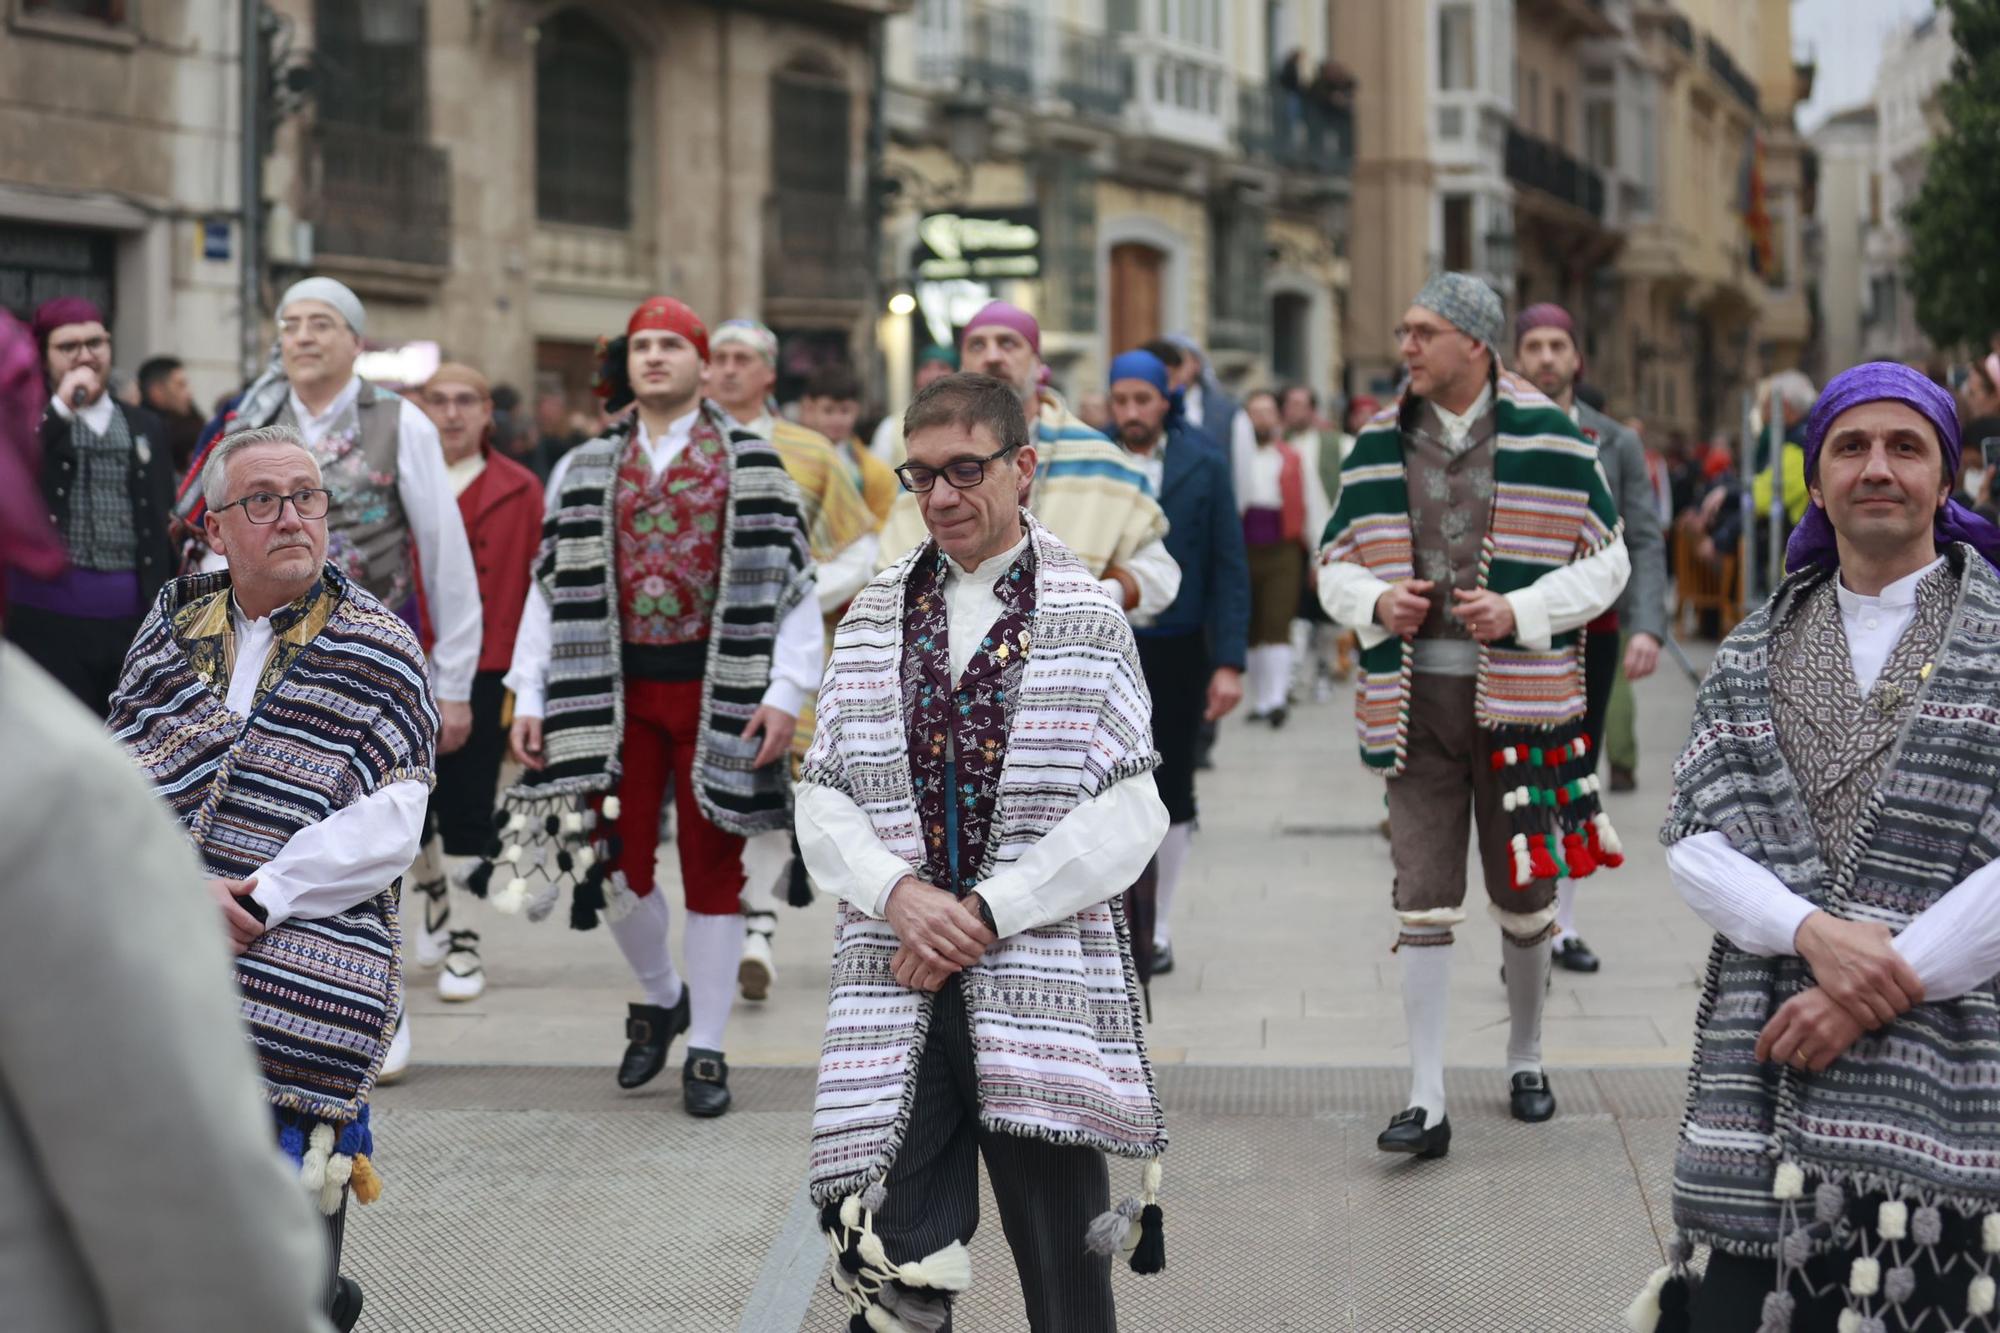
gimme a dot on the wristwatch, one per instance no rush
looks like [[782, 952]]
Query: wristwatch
[[986, 914]]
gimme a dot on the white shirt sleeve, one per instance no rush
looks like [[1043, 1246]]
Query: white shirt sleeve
[[1348, 593], [528, 672], [451, 585], [1092, 854], [796, 657], [838, 842], [847, 573], [1571, 597], [1739, 898], [1954, 944], [347, 858], [1158, 577]]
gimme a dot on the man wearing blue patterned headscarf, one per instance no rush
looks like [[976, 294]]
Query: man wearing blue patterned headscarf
[[1192, 652]]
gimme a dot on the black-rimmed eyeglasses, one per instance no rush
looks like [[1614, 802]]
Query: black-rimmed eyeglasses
[[265, 507], [962, 473]]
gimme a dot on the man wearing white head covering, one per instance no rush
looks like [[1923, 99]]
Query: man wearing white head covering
[[395, 526]]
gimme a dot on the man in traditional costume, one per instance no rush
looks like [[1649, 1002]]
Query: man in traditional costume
[[1284, 511], [1546, 349], [831, 405], [669, 637], [1475, 534], [979, 790], [501, 503], [1834, 819], [743, 369], [1192, 653], [1086, 490], [107, 482], [283, 714]]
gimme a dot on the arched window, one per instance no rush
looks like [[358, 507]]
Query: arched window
[[583, 124]]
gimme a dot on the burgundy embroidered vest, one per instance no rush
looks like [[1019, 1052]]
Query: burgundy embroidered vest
[[670, 539], [957, 731]]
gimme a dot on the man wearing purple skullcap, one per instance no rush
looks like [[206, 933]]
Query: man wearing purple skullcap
[[1834, 818], [1086, 490], [107, 480]]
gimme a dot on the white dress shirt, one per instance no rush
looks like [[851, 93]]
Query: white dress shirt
[[451, 584], [1092, 854], [95, 415], [850, 568], [796, 655], [464, 472], [1560, 600], [351, 855], [1953, 945], [1458, 425]]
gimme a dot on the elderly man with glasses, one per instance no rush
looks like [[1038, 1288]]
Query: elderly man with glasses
[[979, 792], [108, 482], [284, 716], [1474, 537]]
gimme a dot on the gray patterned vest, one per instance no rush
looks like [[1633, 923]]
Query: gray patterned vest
[[1451, 506], [368, 534]]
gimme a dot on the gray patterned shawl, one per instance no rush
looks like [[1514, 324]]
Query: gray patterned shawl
[[1914, 1109]]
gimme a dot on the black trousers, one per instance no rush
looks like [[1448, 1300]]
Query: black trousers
[[86, 656], [1601, 656], [1047, 1194], [1177, 671], [461, 806]]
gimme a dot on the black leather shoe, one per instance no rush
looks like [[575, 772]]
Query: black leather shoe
[[1623, 779], [1163, 960], [345, 1311], [705, 1083], [1530, 1097], [1573, 955], [1278, 716], [1406, 1134], [651, 1029]]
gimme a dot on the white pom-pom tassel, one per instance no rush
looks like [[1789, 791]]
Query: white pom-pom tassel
[[1790, 1182], [611, 807], [513, 898], [1149, 1182], [950, 1269], [511, 853], [1848, 1322], [1507, 802], [516, 822], [1979, 1295], [850, 1212], [1607, 837], [1892, 1219], [872, 1253], [573, 822], [1865, 1278], [1643, 1314], [1989, 1233], [583, 858]]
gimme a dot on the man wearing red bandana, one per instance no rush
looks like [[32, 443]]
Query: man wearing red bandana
[[668, 639]]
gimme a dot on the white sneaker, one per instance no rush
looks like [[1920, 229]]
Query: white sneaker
[[398, 1058], [427, 917], [756, 973], [463, 976]]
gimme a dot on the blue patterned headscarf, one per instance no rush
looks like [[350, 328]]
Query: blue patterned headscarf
[[1140, 364], [1812, 542]]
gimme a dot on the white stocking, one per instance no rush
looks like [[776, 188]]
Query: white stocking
[[1527, 972], [642, 937], [1173, 859], [711, 950], [1426, 999], [1565, 908]]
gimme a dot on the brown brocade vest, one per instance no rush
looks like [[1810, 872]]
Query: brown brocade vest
[[1451, 505], [1837, 743], [368, 534]]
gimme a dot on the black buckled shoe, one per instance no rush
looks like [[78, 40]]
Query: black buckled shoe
[[705, 1083], [650, 1028], [1406, 1134], [345, 1311], [1163, 959], [1571, 954], [1530, 1097]]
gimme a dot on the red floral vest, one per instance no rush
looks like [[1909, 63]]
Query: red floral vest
[[670, 539]]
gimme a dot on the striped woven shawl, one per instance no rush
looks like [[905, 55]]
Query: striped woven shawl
[[1551, 507], [1058, 1047], [342, 710], [1912, 1109]]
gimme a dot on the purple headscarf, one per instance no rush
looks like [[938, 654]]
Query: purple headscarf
[[1812, 542]]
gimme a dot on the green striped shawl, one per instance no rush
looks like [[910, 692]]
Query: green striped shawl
[[1551, 507]]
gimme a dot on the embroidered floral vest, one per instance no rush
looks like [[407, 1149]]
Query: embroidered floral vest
[[368, 534], [670, 539], [957, 731]]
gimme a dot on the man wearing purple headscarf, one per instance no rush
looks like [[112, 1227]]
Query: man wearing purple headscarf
[[108, 482], [1835, 819]]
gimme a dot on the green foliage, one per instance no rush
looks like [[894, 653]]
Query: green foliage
[[1953, 222]]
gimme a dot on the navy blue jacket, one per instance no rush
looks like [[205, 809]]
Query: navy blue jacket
[[1206, 540]]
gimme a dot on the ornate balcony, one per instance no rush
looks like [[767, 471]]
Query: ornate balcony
[[1295, 131], [815, 247], [375, 196], [1538, 164]]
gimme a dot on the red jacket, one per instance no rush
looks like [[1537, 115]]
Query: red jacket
[[502, 509]]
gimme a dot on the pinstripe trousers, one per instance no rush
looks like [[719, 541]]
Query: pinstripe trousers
[[1047, 1193]]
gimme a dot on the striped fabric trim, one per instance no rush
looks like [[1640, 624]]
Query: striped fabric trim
[[1551, 507], [1059, 1047]]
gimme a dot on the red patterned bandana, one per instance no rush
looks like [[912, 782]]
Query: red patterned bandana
[[665, 314]]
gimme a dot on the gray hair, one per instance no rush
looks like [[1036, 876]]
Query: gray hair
[[215, 470], [1793, 390]]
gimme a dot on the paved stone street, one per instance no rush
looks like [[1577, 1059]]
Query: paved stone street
[[525, 1191]]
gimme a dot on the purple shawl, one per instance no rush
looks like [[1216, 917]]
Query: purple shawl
[[1812, 542]]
